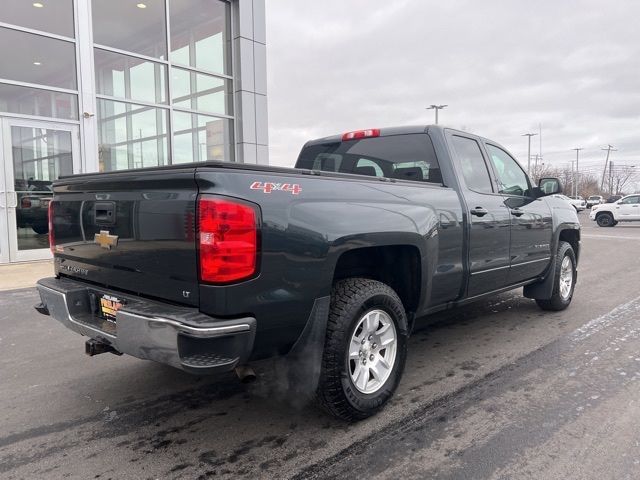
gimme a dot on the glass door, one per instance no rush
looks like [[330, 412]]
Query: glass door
[[35, 154]]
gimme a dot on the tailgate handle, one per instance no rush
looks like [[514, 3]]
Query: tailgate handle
[[105, 213]]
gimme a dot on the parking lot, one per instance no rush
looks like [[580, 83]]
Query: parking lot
[[497, 389]]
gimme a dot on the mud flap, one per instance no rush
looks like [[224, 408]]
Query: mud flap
[[542, 290], [304, 360]]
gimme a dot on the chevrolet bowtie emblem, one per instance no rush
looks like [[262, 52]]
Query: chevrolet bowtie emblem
[[105, 240]]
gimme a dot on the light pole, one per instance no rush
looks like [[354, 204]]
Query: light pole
[[529, 150], [436, 108], [577, 175]]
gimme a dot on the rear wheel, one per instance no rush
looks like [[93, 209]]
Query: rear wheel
[[564, 283], [605, 220], [40, 228], [365, 349]]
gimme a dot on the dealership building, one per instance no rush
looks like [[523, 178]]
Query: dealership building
[[104, 85]]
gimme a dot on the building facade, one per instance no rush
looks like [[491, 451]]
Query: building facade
[[104, 85]]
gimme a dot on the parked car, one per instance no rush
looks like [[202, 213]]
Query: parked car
[[594, 200], [571, 201], [579, 203], [207, 266], [613, 198], [627, 209]]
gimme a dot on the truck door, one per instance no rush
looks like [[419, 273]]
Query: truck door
[[488, 218], [531, 222], [628, 208]]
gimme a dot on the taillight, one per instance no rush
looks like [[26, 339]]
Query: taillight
[[228, 239], [358, 134], [25, 202], [52, 238]]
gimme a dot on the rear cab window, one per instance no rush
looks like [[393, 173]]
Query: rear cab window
[[403, 157]]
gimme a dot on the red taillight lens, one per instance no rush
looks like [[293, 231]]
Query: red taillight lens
[[52, 238], [228, 240], [25, 202], [358, 134]]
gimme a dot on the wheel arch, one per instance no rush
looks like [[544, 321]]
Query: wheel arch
[[398, 265]]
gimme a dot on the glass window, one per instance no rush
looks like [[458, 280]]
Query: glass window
[[131, 136], [198, 138], [128, 77], [474, 168], [39, 157], [34, 101], [205, 93], [48, 16], [37, 59], [511, 178], [364, 166], [630, 200], [405, 157], [200, 34], [138, 27]]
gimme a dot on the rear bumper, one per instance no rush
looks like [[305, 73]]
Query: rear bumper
[[178, 336]]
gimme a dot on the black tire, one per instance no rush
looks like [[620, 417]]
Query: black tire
[[351, 299], [40, 229], [605, 220], [557, 302]]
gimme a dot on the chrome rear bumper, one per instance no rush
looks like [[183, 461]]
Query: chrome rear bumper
[[178, 336]]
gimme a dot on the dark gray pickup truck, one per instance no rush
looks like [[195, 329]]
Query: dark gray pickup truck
[[208, 266]]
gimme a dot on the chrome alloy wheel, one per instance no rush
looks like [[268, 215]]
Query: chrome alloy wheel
[[372, 351], [566, 277]]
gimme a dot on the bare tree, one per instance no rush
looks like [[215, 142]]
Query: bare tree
[[620, 177]]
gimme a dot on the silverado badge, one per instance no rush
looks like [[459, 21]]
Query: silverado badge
[[105, 240]]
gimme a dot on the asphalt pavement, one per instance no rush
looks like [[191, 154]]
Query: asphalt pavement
[[497, 389]]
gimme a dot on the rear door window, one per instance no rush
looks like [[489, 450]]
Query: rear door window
[[474, 168], [403, 157]]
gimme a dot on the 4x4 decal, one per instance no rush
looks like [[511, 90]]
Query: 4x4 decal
[[268, 187]]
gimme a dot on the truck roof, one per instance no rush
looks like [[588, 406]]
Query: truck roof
[[401, 130]]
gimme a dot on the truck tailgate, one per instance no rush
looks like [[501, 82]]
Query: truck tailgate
[[130, 231]]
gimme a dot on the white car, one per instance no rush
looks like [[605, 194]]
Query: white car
[[579, 205], [594, 200], [578, 202], [627, 209]]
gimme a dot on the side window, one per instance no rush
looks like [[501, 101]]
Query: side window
[[474, 168], [364, 166], [630, 200], [511, 178]]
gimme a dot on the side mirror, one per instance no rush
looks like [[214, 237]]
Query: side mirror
[[550, 186]]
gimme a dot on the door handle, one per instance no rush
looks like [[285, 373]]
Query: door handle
[[517, 212], [479, 211]]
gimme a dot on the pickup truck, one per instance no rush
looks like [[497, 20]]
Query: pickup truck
[[626, 209], [209, 266]]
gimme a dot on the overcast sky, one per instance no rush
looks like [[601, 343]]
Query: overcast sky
[[503, 67]]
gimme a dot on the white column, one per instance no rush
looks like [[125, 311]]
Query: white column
[[87, 89], [250, 73]]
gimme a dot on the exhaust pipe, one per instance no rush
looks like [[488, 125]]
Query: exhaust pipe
[[245, 373]]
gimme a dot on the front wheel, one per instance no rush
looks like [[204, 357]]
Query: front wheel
[[564, 283], [365, 349], [605, 220]]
